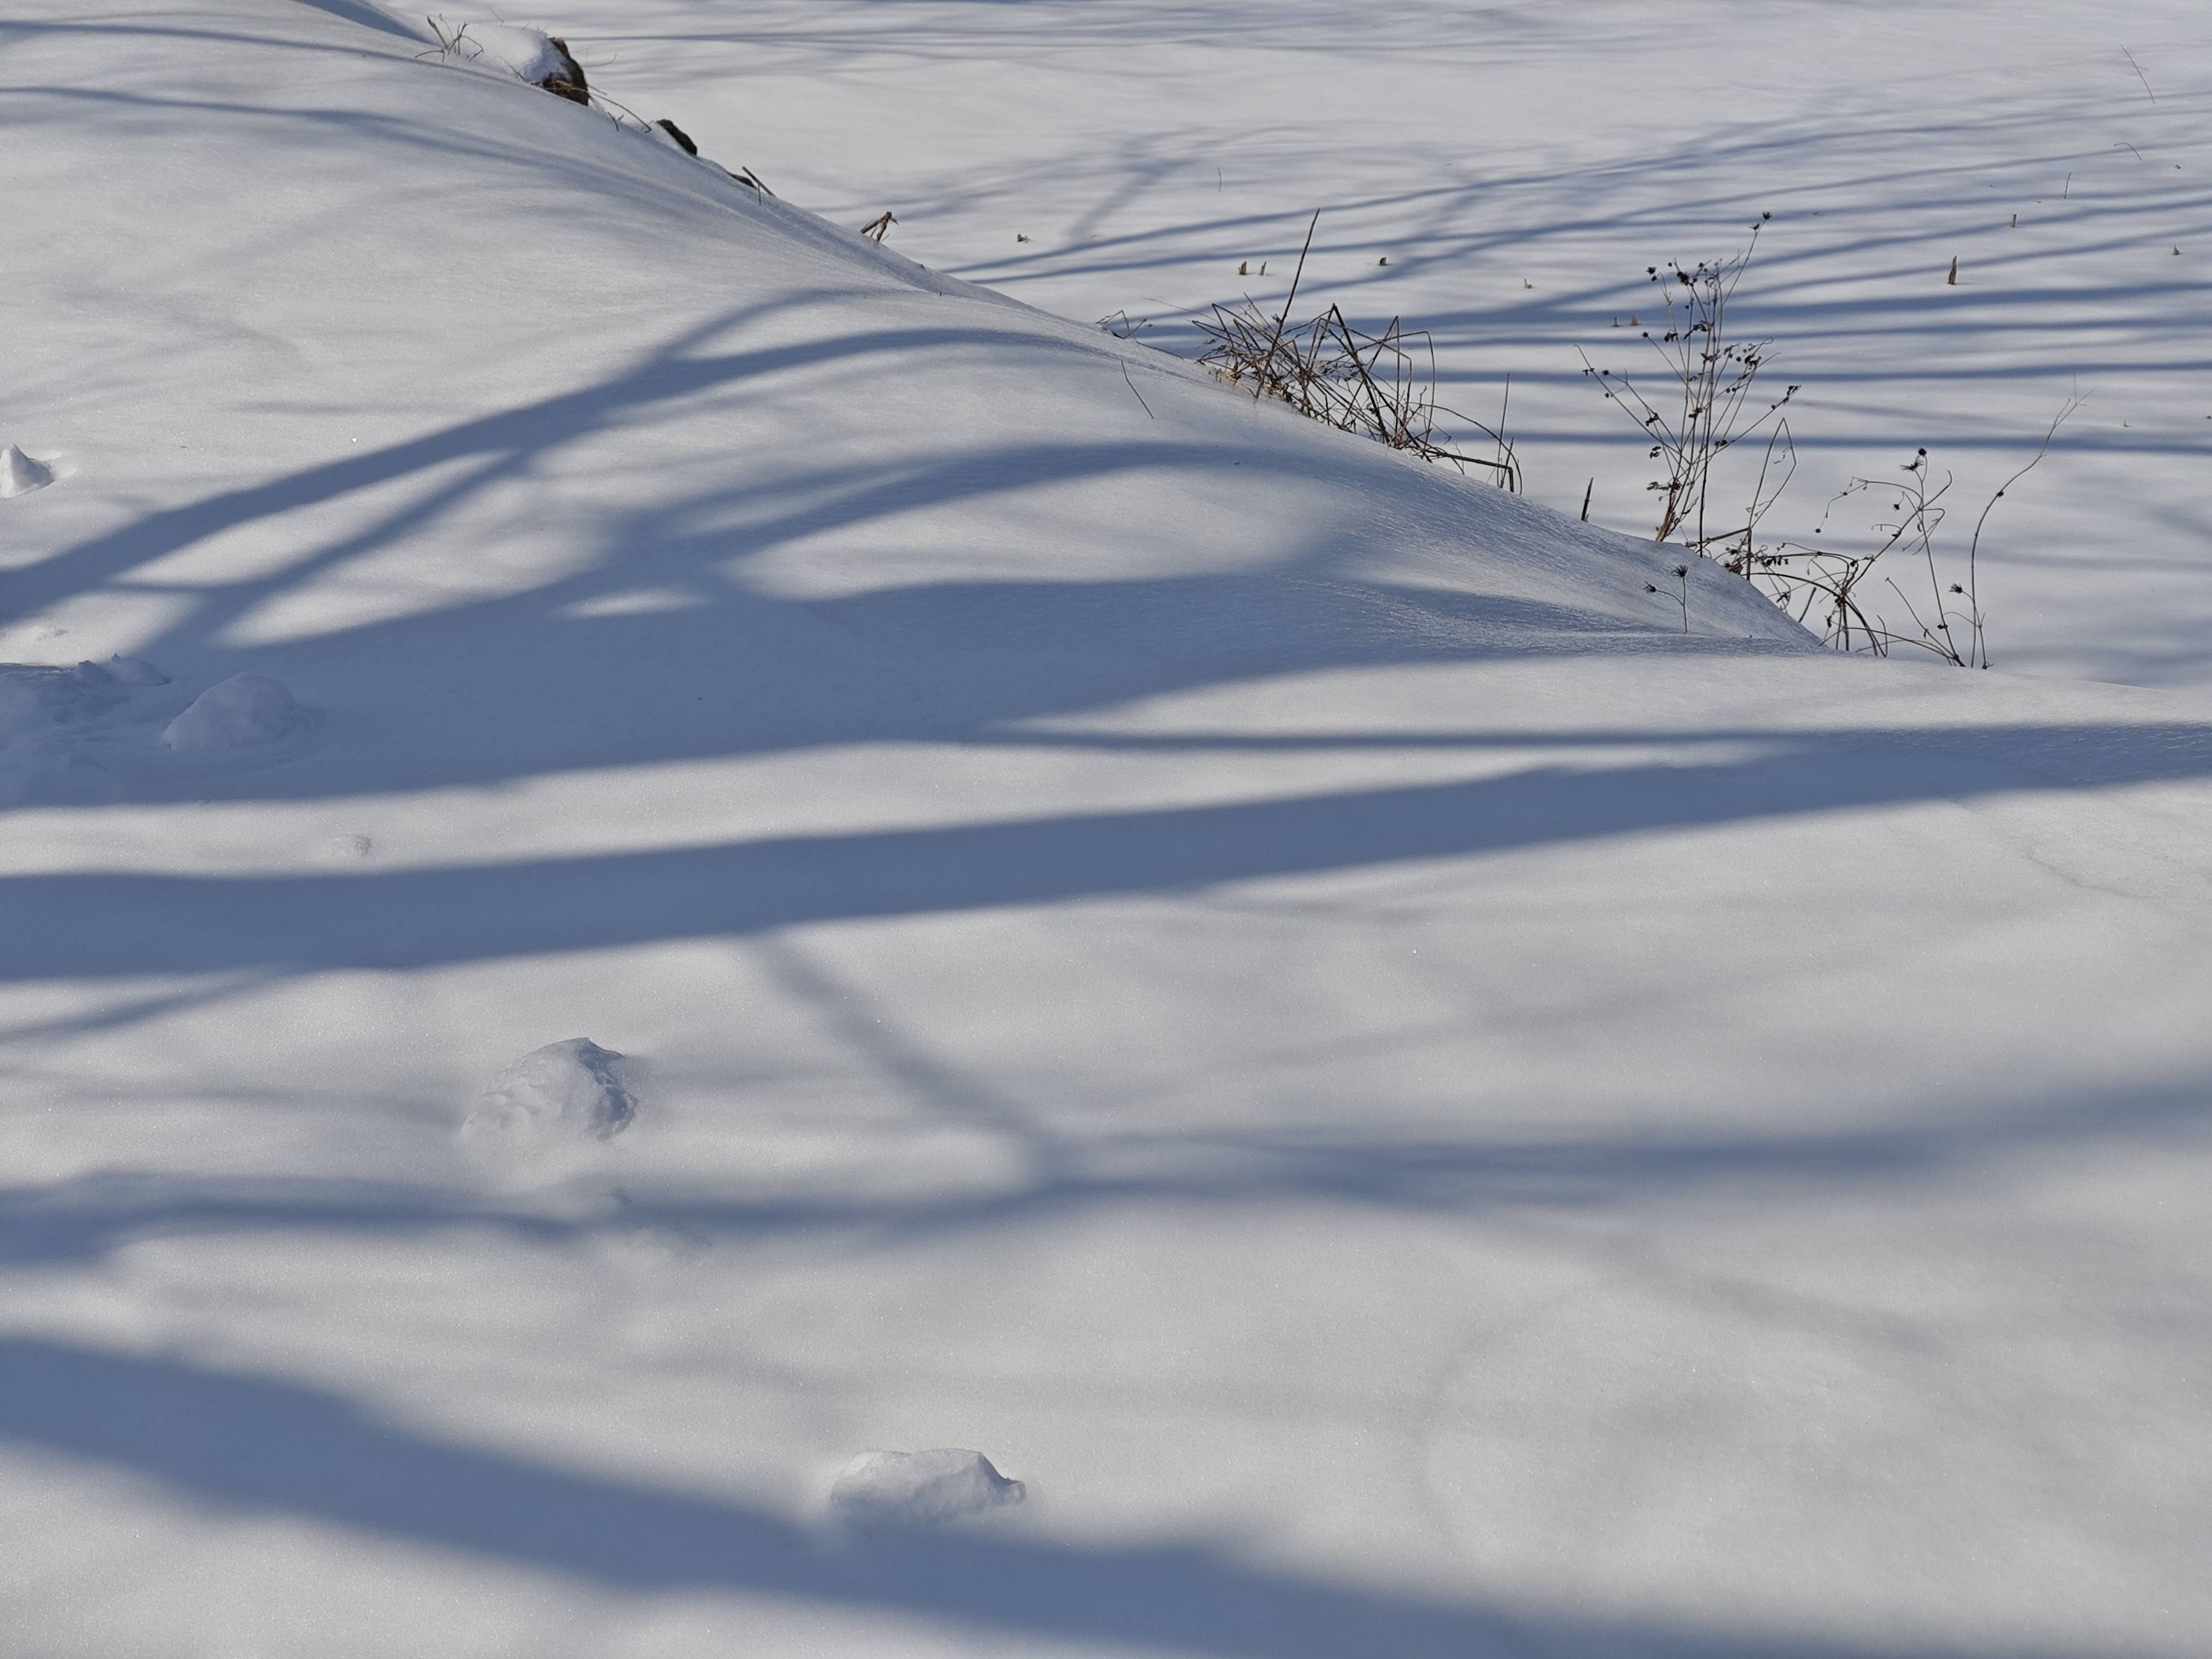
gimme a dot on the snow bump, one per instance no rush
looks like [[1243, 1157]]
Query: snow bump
[[573, 1090], [902, 1491], [127, 670], [20, 475], [247, 711], [529, 54]]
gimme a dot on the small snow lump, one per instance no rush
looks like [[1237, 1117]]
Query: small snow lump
[[247, 711], [896, 1491], [530, 54], [20, 475], [573, 1089], [128, 670]]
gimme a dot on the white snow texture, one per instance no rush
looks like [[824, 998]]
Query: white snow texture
[[896, 1490]]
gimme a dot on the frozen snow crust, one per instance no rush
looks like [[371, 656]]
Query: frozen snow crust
[[1271, 992]]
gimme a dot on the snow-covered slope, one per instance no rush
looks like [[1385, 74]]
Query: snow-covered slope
[[689, 852], [1519, 163]]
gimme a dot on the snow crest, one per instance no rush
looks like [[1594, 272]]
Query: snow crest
[[897, 1491]]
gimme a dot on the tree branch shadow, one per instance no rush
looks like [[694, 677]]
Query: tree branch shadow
[[260, 1445], [102, 925]]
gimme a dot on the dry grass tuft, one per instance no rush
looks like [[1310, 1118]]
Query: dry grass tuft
[[1380, 386]]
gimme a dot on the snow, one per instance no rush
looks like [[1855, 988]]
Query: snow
[[1274, 990], [897, 1491], [20, 475], [243, 712], [34, 699], [1520, 165], [572, 1087], [59, 727], [525, 53]]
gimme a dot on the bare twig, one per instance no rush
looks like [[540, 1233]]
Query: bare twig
[[1974, 546], [1123, 326], [448, 43], [2140, 76], [1135, 393], [1296, 277]]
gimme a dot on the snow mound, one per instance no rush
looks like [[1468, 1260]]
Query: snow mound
[[247, 711], [35, 699], [20, 475], [570, 1089], [127, 670], [895, 1490], [530, 54]]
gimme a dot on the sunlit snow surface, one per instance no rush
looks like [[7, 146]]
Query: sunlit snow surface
[[1270, 995], [1520, 163]]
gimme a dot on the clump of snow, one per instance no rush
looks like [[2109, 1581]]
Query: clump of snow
[[247, 711], [128, 670], [570, 1089], [525, 52], [896, 1491], [20, 475]]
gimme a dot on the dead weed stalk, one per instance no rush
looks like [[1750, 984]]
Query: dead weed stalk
[[1947, 622], [1706, 408]]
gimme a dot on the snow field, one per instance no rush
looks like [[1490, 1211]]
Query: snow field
[[1270, 993]]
